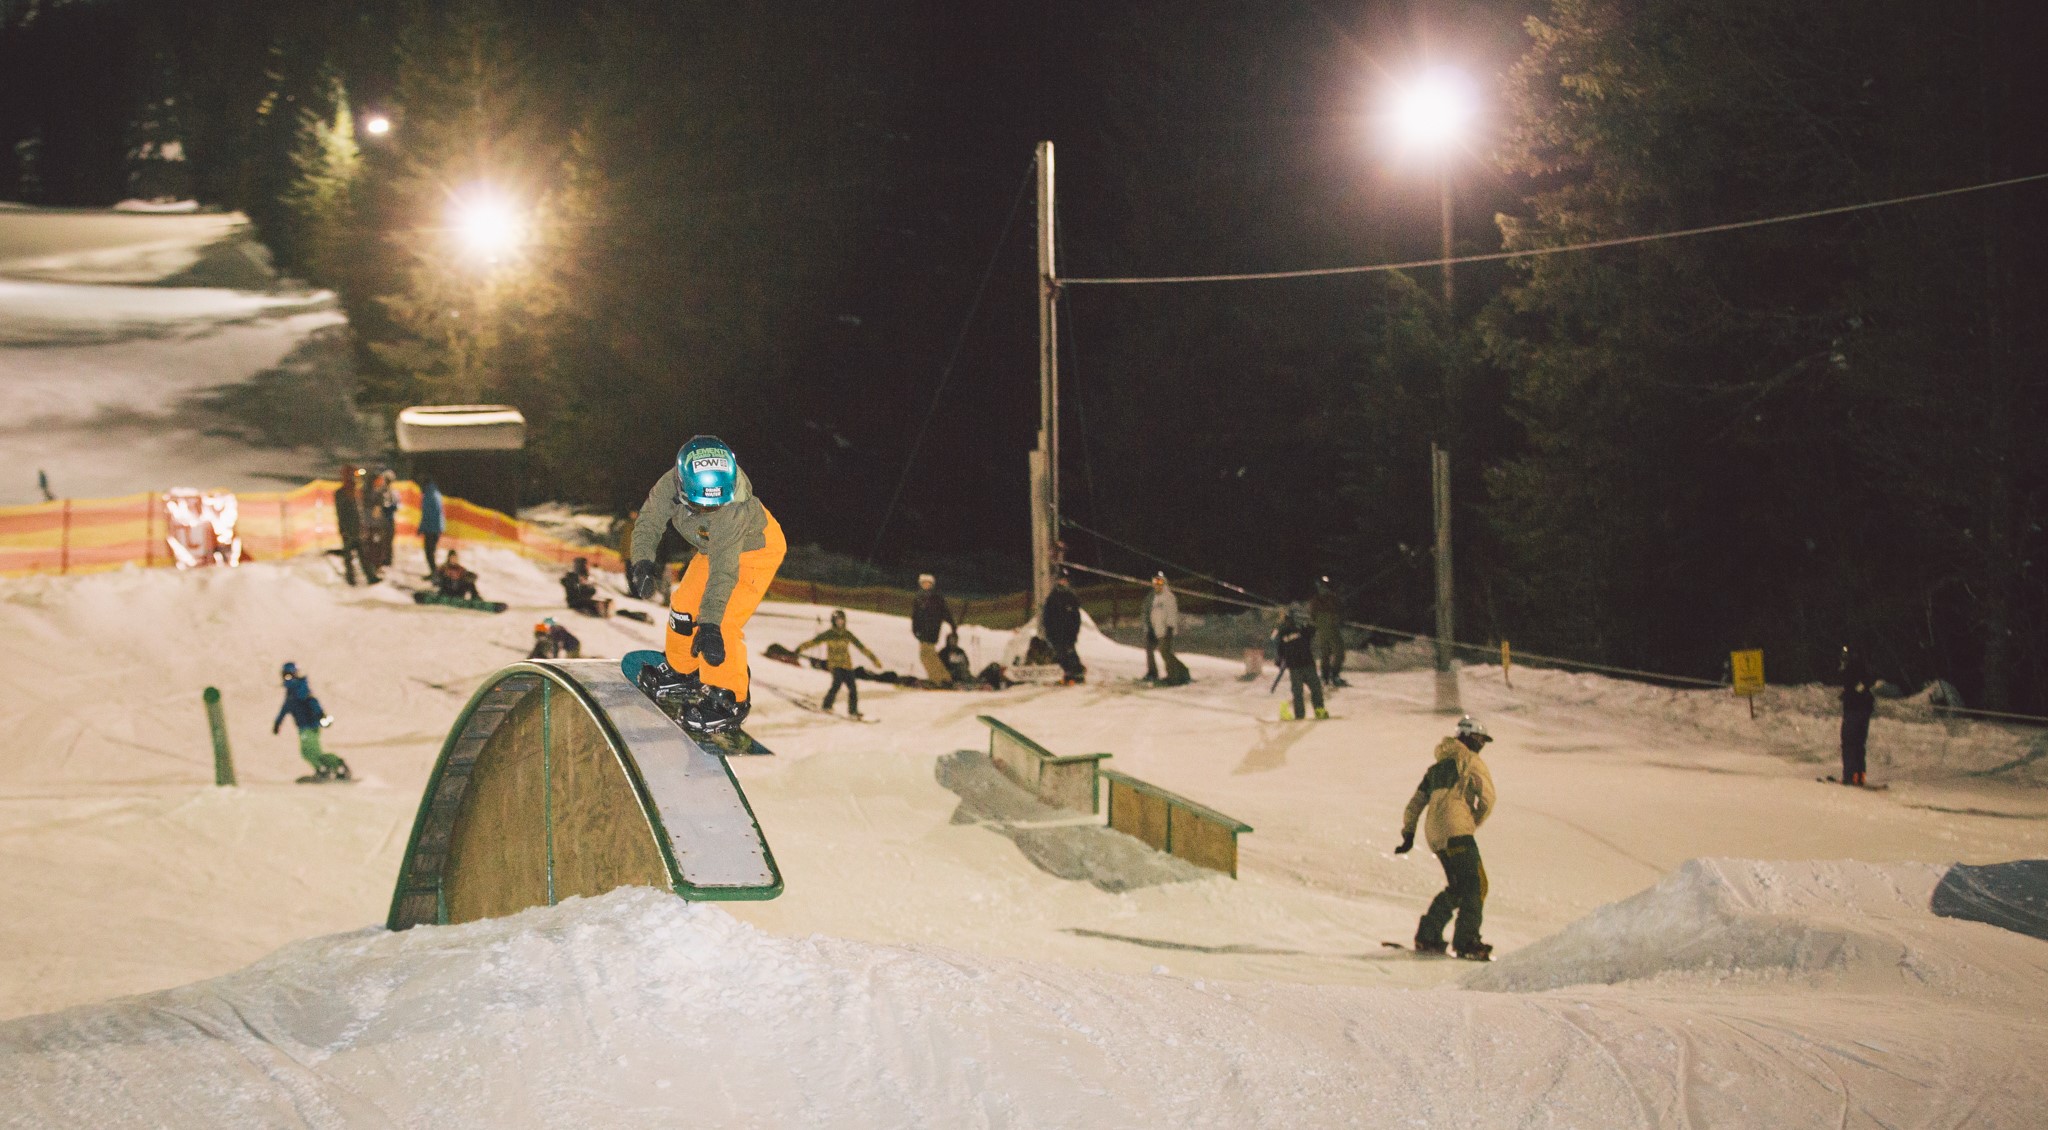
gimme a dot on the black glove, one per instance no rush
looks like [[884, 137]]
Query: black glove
[[708, 642], [643, 577], [1407, 844]]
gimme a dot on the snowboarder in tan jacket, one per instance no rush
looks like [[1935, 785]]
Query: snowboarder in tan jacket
[[1457, 792]]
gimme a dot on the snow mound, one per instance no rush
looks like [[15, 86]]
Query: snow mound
[[1833, 924]]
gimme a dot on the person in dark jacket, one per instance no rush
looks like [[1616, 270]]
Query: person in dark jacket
[[379, 501], [1858, 704], [433, 523], [577, 590], [1060, 622], [928, 613], [1294, 648], [455, 581], [306, 713], [553, 641], [348, 522], [1326, 615]]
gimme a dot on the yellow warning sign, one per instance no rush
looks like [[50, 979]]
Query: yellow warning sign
[[1748, 670]]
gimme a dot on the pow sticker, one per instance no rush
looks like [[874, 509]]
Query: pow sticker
[[714, 464]]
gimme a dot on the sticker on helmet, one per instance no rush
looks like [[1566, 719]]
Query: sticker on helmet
[[716, 464]]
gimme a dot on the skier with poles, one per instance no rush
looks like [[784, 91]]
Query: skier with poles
[[306, 713], [710, 502], [839, 644], [1457, 792]]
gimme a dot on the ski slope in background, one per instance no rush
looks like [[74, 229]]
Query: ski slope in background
[[136, 351], [921, 969]]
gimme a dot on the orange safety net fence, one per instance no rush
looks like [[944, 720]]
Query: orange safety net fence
[[81, 535]]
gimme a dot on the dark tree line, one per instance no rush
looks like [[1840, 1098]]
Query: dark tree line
[[768, 220]]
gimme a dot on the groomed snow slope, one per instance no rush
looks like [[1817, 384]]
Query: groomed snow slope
[[922, 969], [640, 1010]]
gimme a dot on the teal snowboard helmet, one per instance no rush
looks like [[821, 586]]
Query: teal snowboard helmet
[[707, 472]]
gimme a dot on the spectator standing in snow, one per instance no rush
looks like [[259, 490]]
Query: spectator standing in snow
[[928, 613], [1457, 793], [380, 520], [839, 644], [348, 522], [1326, 613], [1294, 649], [1060, 622], [306, 713], [1162, 620], [1858, 704], [433, 522]]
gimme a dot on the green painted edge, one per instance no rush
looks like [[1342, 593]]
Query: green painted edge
[[677, 884], [547, 777], [1044, 753], [1202, 810]]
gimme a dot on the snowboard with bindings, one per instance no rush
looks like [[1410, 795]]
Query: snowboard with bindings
[[1865, 786], [725, 743], [425, 597], [815, 707], [1444, 954]]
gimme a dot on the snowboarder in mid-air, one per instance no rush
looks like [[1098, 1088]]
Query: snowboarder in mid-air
[[839, 644], [1294, 649], [307, 714], [709, 501], [1457, 792]]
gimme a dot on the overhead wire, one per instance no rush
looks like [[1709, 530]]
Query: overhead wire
[[1562, 249], [952, 359]]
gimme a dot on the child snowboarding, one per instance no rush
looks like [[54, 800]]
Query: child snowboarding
[[739, 546], [839, 644], [306, 713], [1457, 792]]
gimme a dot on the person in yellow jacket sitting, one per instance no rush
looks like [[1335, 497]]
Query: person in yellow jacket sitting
[[839, 644], [739, 546], [1457, 792]]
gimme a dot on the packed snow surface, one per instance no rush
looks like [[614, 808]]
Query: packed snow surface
[[933, 961]]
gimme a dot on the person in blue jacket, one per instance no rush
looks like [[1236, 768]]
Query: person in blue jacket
[[307, 714], [433, 522]]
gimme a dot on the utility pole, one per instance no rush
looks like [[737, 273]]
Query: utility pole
[[1045, 460], [1440, 484]]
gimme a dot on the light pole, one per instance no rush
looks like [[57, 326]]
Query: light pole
[[1431, 116]]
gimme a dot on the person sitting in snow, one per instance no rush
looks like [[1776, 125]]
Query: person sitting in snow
[[577, 590], [306, 713], [454, 581], [839, 644], [553, 641], [954, 658], [1457, 792]]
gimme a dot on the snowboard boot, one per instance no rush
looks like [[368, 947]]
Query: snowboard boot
[[670, 690], [1322, 714], [1286, 713], [340, 770], [1423, 945], [1477, 951], [714, 710]]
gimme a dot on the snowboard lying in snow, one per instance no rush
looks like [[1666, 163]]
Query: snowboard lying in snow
[[425, 597], [726, 743]]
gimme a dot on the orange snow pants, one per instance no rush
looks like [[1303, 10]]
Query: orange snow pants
[[757, 569]]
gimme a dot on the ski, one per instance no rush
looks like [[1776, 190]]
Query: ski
[[725, 743], [1866, 787]]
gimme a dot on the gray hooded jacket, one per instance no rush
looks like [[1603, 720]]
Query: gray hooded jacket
[[722, 535]]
